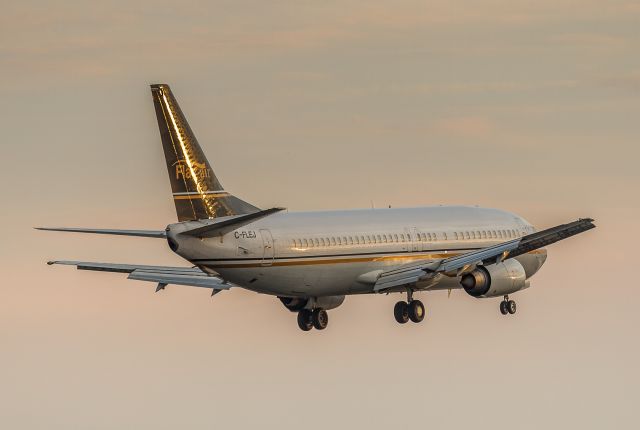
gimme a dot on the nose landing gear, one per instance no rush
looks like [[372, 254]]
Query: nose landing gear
[[507, 306]]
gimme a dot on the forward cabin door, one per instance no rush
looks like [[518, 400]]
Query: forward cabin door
[[268, 252]]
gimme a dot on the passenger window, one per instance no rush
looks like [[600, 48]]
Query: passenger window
[[379, 239], [293, 242], [333, 241], [304, 243]]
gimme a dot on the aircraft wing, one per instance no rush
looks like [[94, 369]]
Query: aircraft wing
[[162, 275], [412, 273]]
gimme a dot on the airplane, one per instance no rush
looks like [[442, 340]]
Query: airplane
[[312, 260]]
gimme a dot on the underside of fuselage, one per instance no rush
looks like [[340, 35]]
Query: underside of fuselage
[[322, 278]]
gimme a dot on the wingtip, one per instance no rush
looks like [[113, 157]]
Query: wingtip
[[51, 262]]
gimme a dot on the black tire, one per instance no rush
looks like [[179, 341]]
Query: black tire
[[416, 311], [511, 307], [320, 319], [504, 307], [401, 312], [305, 320]]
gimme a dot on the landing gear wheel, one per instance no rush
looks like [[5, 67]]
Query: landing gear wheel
[[511, 307], [401, 312], [416, 311], [320, 319], [305, 320], [504, 307]]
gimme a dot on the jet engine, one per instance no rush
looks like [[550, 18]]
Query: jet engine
[[495, 280], [295, 304]]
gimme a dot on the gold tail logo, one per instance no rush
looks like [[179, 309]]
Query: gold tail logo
[[198, 169]]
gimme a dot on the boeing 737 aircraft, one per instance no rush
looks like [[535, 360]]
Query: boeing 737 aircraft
[[312, 260]]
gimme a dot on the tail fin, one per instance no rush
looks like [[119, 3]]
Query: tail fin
[[197, 193]]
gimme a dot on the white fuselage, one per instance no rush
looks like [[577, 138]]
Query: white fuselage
[[314, 254]]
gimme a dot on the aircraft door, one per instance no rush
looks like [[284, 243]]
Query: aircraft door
[[268, 252]]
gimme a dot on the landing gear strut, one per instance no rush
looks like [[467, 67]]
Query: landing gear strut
[[507, 306], [317, 318], [410, 310]]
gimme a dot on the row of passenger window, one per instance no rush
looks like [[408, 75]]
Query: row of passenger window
[[400, 238], [349, 240], [485, 234]]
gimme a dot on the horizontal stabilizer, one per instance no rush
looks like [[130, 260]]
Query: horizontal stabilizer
[[163, 275], [189, 280], [219, 228], [160, 234]]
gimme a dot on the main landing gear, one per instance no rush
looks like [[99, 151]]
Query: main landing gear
[[318, 318], [507, 306], [410, 310]]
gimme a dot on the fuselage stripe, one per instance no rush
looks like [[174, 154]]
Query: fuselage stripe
[[273, 262]]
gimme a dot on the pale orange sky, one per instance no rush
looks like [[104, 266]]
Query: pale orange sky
[[528, 106]]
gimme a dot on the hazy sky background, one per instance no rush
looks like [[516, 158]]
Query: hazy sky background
[[533, 107]]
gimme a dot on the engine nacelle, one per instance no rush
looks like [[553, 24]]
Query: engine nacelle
[[495, 280], [295, 304]]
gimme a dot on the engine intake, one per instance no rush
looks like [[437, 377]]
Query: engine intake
[[495, 280]]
